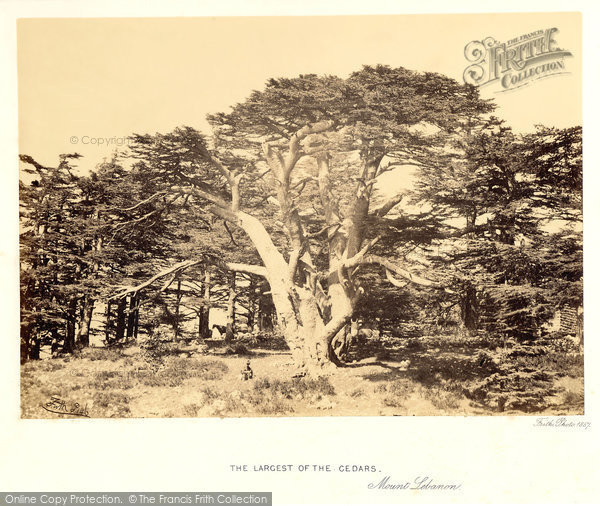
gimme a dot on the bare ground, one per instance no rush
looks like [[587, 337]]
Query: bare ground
[[413, 377]]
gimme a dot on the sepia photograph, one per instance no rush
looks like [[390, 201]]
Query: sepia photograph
[[309, 216]]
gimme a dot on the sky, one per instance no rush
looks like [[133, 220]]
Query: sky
[[86, 84]]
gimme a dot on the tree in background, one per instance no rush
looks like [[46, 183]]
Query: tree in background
[[511, 206], [51, 255]]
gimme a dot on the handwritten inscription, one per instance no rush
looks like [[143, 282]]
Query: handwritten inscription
[[62, 407], [425, 483], [562, 422], [419, 483]]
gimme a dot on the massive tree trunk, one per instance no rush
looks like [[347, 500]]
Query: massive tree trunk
[[309, 315], [341, 305], [302, 316], [345, 241], [301, 323], [293, 289]]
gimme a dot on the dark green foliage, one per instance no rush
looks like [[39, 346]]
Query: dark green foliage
[[518, 256]]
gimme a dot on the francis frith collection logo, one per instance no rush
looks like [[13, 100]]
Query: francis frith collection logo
[[515, 63]]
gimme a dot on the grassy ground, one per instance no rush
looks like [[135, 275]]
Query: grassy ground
[[421, 376]]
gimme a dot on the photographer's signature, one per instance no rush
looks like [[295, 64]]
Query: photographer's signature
[[62, 407]]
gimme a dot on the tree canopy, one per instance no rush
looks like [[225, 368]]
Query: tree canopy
[[287, 191]]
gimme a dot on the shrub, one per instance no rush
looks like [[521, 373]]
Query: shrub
[[111, 404], [571, 398], [210, 393], [396, 392], [154, 348], [267, 402], [43, 366], [191, 410], [442, 399], [297, 386]]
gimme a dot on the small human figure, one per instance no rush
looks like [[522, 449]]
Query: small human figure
[[247, 373]]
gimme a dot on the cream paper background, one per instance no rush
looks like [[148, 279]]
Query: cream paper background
[[497, 459]]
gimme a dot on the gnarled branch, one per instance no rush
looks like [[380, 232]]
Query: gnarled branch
[[145, 201], [259, 270], [388, 205], [399, 271]]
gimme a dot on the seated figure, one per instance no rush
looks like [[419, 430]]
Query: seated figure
[[247, 373]]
